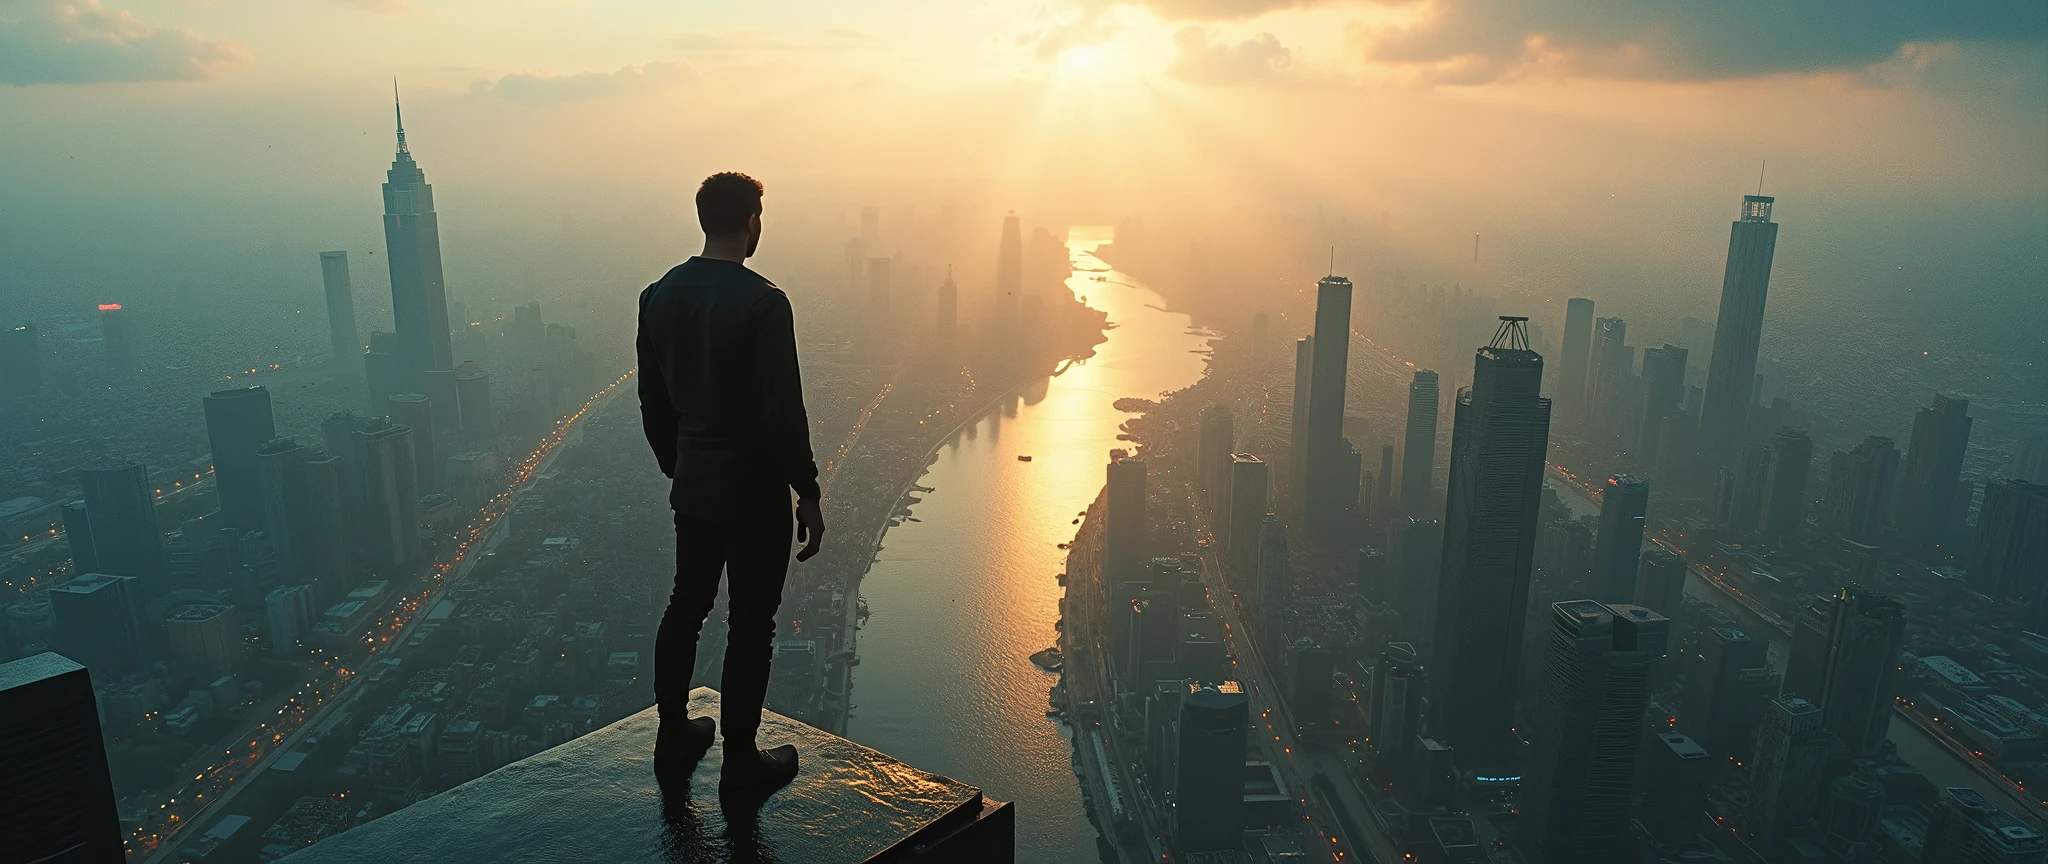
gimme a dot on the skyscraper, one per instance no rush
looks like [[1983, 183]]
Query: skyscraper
[[382, 456], [1676, 773], [122, 508], [2009, 559], [1327, 466], [412, 246], [1418, 446], [1578, 343], [1738, 331], [1395, 711], [21, 360], [238, 422], [98, 623], [1579, 789], [118, 338], [1712, 708], [1498, 437], [59, 795], [205, 640], [417, 411], [1009, 275], [1858, 500], [473, 398], [1849, 812], [1124, 536], [1611, 366], [1807, 666], [1297, 429], [305, 516], [1966, 828], [2030, 461], [1928, 511], [341, 308], [1857, 686], [78, 536], [1248, 508], [1785, 776], [1623, 502], [1663, 396], [1213, 459], [1784, 504], [1270, 596], [1208, 783], [948, 315], [1385, 486], [1660, 582]]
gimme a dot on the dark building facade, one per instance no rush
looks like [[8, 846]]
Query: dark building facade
[[57, 800], [1624, 502], [1929, 512], [1739, 327], [1418, 444], [238, 422], [1208, 783]]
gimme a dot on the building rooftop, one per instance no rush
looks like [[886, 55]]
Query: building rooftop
[[596, 799]]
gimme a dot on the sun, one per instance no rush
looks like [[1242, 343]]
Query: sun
[[1084, 58]]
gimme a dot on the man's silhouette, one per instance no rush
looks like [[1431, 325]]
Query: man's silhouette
[[724, 409]]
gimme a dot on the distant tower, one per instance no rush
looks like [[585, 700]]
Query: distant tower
[[1608, 375], [1785, 775], [1498, 438], [1208, 783], [122, 508], [1009, 274], [1579, 790], [341, 308], [1858, 499], [206, 639], [78, 536], [1807, 666], [1738, 331], [417, 411], [1663, 394], [1864, 639], [1676, 774], [1713, 710], [1928, 509], [2009, 560], [118, 338], [1418, 448], [1327, 464], [1297, 429], [21, 360], [1578, 343], [1124, 538], [238, 423], [948, 320], [383, 455], [1623, 502], [412, 245], [1966, 828], [1660, 582], [473, 398], [1248, 508], [59, 793], [1385, 504], [1784, 505], [1848, 817], [1217, 441]]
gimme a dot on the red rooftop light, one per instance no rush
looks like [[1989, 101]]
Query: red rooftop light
[[110, 307]]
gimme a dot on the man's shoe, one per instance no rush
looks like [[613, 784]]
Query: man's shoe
[[757, 771], [678, 746]]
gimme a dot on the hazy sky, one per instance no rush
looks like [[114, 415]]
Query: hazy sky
[[1617, 131]]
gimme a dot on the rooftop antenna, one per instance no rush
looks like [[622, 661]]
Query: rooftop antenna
[[1475, 247], [1760, 177], [1513, 333], [399, 113], [1333, 260]]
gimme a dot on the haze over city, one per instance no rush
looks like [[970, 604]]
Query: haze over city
[[1720, 327]]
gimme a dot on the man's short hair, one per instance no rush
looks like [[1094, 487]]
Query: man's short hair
[[726, 200]]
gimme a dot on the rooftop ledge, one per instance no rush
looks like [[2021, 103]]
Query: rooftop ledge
[[596, 799]]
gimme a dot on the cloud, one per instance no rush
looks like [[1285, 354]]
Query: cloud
[[1258, 60], [84, 42], [1055, 40], [1220, 10], [744, 41], [548, 89], [382, 7], [1474, 41]]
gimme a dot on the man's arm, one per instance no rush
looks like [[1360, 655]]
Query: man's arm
[[657, 414], [787, 426]]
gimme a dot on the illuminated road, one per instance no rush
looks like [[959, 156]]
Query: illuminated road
[[160, 838]]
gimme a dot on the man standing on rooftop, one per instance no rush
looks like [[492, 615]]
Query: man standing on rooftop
[[722, 402]]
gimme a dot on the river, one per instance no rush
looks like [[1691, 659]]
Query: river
[[962, 596]]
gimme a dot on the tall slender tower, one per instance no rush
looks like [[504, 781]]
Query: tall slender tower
[[412, 246], [1418, 447], [1927, 513], [238, 423], [1297, 429], [1326, 452], [1578, 343], [1498, 438], [341, 308], [1731, 373], [1619, 546], [1009, 274]]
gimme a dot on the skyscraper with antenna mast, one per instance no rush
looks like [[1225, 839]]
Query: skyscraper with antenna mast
[[1738, 331], [412, 243]]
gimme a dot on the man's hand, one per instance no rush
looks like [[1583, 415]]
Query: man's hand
[[810, 527]]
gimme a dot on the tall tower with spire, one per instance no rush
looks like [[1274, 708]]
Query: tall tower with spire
[[412, 245], [1738, 331]]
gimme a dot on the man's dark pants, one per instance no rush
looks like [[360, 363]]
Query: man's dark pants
[[754, 554]]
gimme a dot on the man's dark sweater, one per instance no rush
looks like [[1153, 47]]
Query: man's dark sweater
[[720, 394]]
